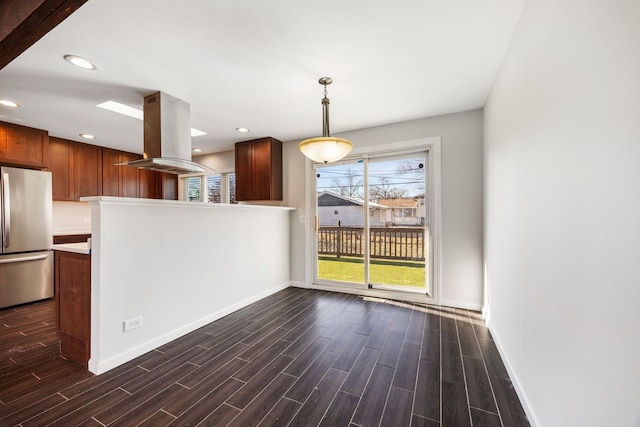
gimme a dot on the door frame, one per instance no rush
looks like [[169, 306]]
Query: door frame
[[431, 144]]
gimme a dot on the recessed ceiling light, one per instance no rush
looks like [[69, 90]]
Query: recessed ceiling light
[[197, 150], [119, 108], [242, 130], [87, 135], [8, 103], [79, 61]]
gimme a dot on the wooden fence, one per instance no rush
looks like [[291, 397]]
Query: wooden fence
[[400, 243]]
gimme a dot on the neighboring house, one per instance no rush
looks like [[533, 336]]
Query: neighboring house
[[335, 209], [405, 211]]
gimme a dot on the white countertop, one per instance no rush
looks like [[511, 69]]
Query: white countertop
[[71, 232], [78, 248]]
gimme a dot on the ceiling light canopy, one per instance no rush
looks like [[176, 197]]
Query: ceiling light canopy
[[325, 149], [8, 103], [81, 62]]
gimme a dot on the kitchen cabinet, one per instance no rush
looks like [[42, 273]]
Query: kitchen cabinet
[[122, 181], [24, 146], [61, 167], [87, 161], [73, 304], [76, 169], [258, 169], [110, 172]]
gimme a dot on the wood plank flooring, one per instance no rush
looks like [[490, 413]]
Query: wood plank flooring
[[298, 358]]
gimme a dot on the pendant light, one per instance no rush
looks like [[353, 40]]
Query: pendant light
[[325, 149]]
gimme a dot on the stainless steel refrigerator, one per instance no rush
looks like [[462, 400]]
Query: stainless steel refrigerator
[[26, 261]]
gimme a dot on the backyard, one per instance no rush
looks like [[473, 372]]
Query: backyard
[[393, 272]]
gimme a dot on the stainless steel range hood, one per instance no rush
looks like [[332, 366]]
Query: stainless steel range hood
[[167, 137]]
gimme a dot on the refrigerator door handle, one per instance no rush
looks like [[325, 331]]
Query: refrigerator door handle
[[6, 215], [22, 259]]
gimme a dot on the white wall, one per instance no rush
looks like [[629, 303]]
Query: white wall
[[562, 211], [461, 198], [178, 265], [222, 162], [71, 217]]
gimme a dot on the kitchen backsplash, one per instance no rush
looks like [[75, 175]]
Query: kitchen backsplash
[[71, 218]]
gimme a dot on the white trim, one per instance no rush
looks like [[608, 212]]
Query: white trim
[[445, 302], [99, 367], [524, 400]]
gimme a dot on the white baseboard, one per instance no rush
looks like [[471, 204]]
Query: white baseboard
[[299, 285], [99, 367], [524, 401], [461, 304]]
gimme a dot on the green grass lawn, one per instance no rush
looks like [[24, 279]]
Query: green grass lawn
[[403, 273]]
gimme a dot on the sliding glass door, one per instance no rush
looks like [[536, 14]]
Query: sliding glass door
[[372, 223]]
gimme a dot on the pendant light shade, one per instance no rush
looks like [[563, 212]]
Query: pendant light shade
[[325, 149]]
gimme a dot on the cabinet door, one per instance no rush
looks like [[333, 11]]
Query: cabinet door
[[129, 176], [61, 167], [73, 300], [147, 184], [25, 146], [244, 173], [259, 169], [87, 161], [110, 172]]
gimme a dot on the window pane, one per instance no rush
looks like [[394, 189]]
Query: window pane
[[214, 189], [193, 189], [232, 188]]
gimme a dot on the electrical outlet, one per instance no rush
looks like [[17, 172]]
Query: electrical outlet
[[302, 219], [132, 323], [86, 219]]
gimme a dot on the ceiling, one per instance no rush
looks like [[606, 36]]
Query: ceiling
[[256, 64]]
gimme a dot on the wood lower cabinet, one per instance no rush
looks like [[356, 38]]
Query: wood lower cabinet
[[258, 169], [76, 169], [24, 146], [73, 305]]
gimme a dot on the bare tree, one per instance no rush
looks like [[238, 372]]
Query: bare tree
[[349, 185], [414, 168], [383, 190]]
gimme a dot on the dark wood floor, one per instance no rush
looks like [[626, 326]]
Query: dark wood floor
[[298, 358]]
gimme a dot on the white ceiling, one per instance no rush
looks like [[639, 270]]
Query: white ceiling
[[256, 63]]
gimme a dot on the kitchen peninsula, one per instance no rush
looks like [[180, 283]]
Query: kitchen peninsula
[[161, 269]]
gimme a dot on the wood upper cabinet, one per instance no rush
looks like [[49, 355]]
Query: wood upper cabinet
[[80, 170], [123, 181], [24, 146], [76, 169], [258, 169], [61, 167], [147, 184], [110, 172], [87, 165], [130, 177]]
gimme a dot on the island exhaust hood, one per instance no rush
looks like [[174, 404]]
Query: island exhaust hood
[[167, 137]]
